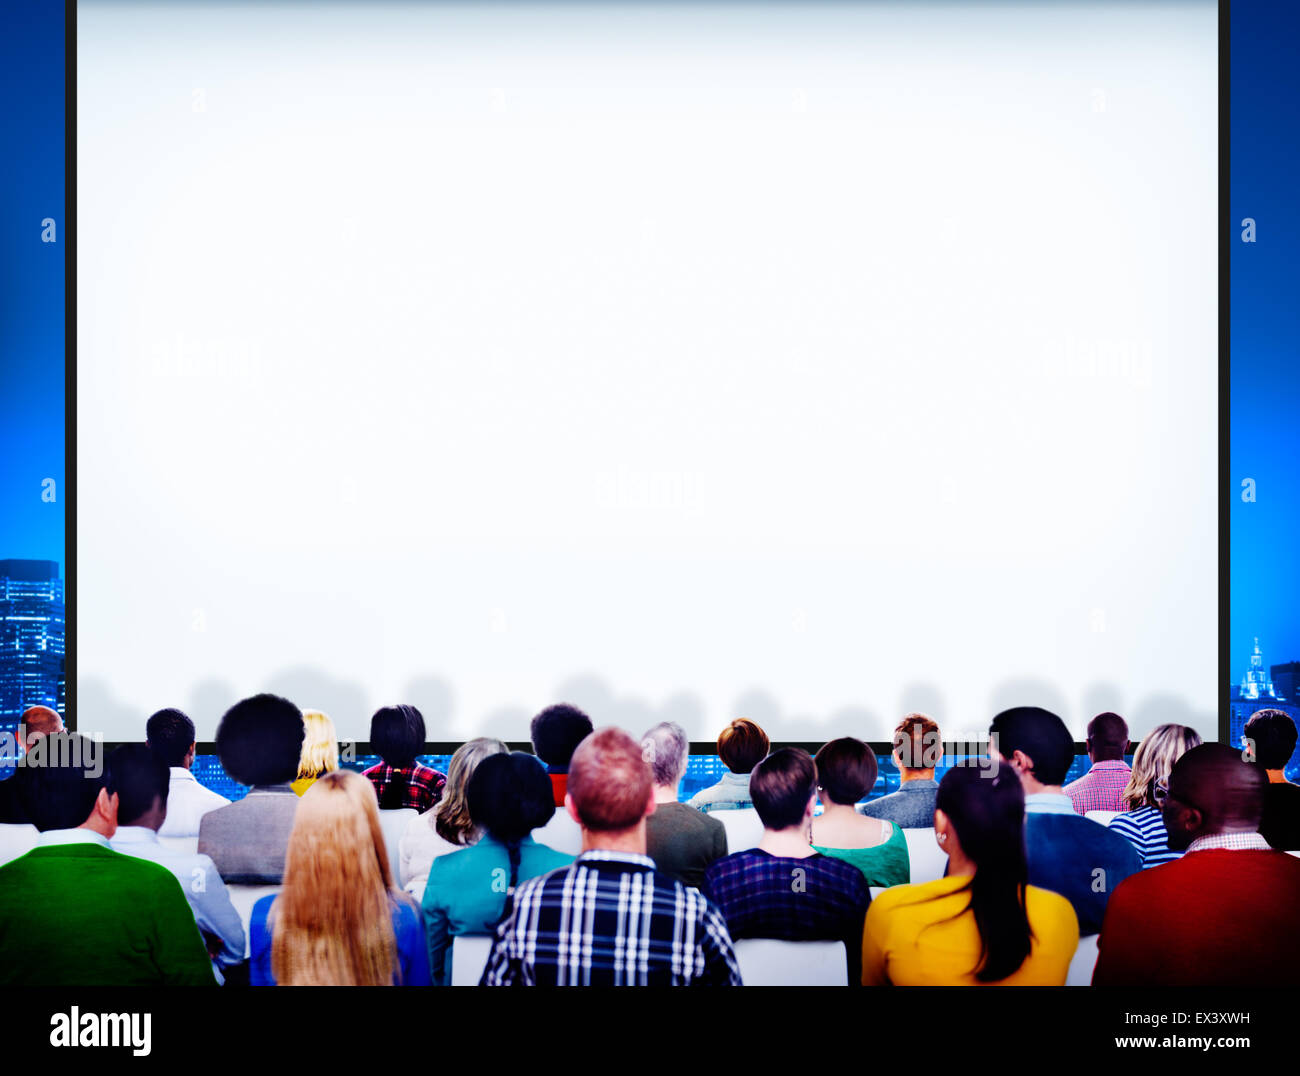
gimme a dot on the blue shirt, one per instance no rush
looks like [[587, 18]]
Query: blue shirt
[[466, 892], [1079, 859], [408, 926], [1145, 830]]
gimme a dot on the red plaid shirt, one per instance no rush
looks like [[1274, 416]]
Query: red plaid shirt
[[423, 783], [1100, 788]]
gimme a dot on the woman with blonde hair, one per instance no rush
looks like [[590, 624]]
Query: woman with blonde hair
[[320, 750], [446, 827], [1143, 798], [338, 920]]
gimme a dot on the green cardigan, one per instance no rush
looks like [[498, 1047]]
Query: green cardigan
[[84, 915]]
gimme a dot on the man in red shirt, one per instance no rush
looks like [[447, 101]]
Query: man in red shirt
[[1224, 914]]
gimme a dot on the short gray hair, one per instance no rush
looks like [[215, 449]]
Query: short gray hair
[[665, 747]]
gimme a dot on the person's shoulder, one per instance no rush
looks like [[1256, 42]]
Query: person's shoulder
[[1045, 907]]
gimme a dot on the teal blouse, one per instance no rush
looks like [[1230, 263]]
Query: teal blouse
[[882, 865], [466, 893]]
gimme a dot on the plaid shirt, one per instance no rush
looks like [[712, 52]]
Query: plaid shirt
[[1237, 842], [610, 920], [767, 896], [1100, 788], [423, 783]]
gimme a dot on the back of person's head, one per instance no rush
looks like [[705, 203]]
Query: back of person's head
[[846, 770], [917, 743], [1212, 790], [63, 776], [610, 782], [782, 786], [1041, 735], [397, 734], [451, 818], [742, 745], [332, 923], [1273, 734], [666, 748], [1107, 737], [1154, 761], [170, 734], [142, 781], [259, 740], [38, 721], [986, 809], [320, 745], [556, 733], [509, 797]]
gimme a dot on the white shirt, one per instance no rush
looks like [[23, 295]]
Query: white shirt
[[80, 835], [420, 845], [1049, 803], [187, 802], [207, 893]]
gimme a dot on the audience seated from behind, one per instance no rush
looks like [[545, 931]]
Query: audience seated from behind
[[982, 923], [142, 781], [785, 888], [556, 733], [397, 734], [320, 750], [1068, 854], [259, 741], [447, 827], [846, 771], [639, 928], [345, 926], [918, 748], [170, 735], [1102, 787], [1273, 736], [742, 745], [73, 912], [1142, 824], [509, 795], [681, 840], [36, 721], [1223, 914]]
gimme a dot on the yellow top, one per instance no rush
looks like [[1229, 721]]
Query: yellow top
[[897, 949], [302, 784]]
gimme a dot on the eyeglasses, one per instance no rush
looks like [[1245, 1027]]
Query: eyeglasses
[[1160, 792]]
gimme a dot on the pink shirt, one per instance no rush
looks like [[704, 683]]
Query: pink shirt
[[1099, 789]]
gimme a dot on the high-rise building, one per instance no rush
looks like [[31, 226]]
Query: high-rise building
[[32, 638], [1286, 680]]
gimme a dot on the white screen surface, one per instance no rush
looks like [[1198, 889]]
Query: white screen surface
[[812, 364]]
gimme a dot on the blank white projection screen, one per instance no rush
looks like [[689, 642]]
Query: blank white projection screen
[[806, 363]]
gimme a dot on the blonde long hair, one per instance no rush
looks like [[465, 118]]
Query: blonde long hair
[[320, 745], [332, 923], [1154, 760], [450, 819]]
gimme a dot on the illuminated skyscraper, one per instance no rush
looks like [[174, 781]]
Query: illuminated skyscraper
[[32, 634], [1257, 692]]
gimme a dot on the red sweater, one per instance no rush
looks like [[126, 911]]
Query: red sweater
[[1212, 918]]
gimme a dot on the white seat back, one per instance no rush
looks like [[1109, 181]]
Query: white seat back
[[243, 897], [1101, 817], [772, 962], [1083, 962], [928, 860], [394, 824], [561, 833], [744, 828], [17, 839], [469, 956], [188, 845]]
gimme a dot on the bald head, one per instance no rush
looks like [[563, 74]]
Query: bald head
[[38, 721], [610, 782], [1213, 790]]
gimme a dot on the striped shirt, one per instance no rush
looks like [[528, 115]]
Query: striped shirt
[[1101, 788], [611, 920], [1144, 829]]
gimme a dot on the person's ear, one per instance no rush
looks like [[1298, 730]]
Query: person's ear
[[1022, 763], [106, 808], [942, 829], [189, 755], [573, 811], [651, 805]]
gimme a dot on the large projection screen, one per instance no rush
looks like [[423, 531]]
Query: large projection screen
[[811, 363]]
